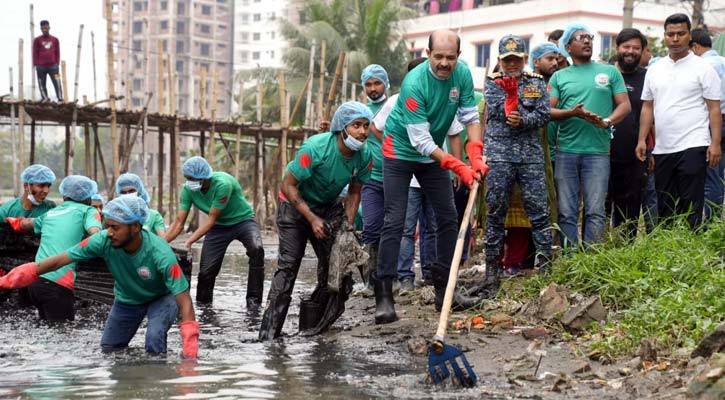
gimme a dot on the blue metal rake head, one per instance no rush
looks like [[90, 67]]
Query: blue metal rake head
[[438, 357]]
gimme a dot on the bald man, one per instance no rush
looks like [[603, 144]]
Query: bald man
[[431, 96]]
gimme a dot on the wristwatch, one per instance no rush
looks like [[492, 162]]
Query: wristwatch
[[608, 122]]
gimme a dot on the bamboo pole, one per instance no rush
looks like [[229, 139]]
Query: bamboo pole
[[212, 133], [160, 76], [260, 207], [333, 87], [172, 169], [21, 106], [32, 64], [111, 92], [171, 85], [352, 91], [32, 141], [87, 145], [95, 157], [160, 173], [298, 102], [16, 184], [241, 100], [177, 146], [308, 103], [321, 88], [75, 96], [68, 150], [93, 54], [344, 81], [237, 155], [283, 122], [202, 95], [99, 153], [63, 82], [149, 93]]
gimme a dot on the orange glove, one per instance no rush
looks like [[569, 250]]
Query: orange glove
[[15, 223], [20, 276], [511, 86], [459, 168], [190, 338], [475, 155]]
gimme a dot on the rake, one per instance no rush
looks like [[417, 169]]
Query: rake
[[442, 355]]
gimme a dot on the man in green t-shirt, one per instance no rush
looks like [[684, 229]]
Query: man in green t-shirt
[[231, 218], [309, 210], [148, 279], [36, 180], [431, 96], [129, 184], [587, 98], [60, 229]]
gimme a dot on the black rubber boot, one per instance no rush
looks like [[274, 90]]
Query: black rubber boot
[[384, 306], [460, 301], [274, 317], [205, 291], [543, 264], [491, 281], [255, 289]]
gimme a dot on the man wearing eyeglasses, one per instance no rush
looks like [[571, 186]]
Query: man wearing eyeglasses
[[588, 98]]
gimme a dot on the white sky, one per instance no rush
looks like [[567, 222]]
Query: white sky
[[65, 17]]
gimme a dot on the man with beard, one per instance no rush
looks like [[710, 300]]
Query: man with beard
[[628, 175], [714, 189], [681, 95], [583, 98], [517, 107], [431, 96], [37, 180], [148, 281]]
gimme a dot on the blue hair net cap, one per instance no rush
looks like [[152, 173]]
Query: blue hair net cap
[[127, 210], [78, 187], [37, 173], [540, 51], [197, 168], [98, 197], [375, 71], [347, 113], [566, 36], [129, 180]]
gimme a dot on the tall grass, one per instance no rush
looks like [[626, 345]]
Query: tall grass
[[668, 286]]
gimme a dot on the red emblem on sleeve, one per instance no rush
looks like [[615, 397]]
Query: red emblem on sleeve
[[548, 88], [411, 104], [97, 216], [176, 271], [305, 160], [223, 200], [84, 242], [370, 166]]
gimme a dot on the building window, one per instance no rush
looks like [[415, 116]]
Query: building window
[[179, 46], [244, 57], [608, 46], [165, 45], [271, 35], [527, 43], [206, 10], [180, 27], [180, 8], [245, 19], [205, 28], [136, 45], [180, 67], [271, 16], [257, 17], [137, 26], [140, 5], [271, 54], [205, 49], [164, 5], [416, 53], [483, 54], [244, 37], [136, 102], [164, 25], [255, 55], [255, 36], [137, 84]]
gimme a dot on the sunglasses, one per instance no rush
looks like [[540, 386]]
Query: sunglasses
[[582, 37]]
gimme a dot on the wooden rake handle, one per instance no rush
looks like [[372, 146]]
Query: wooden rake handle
[[438, 339]]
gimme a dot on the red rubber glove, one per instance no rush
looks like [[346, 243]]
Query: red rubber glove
[[20, 276], [510, 85], [15, 223], [190, 338], [459, 168], [475, 155]]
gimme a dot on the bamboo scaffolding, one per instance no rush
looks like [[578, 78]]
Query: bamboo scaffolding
[[321, 87], [212, 132], [333, 87], [13, 144], [21, 106], [111, 93], [75, 97], [93, 54], [308, 103], [32, 64]]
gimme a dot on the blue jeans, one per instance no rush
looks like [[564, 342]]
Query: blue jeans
[[588, 175], [419, 208], [124, 319], [715, 189], [372, 202], [436, 184]]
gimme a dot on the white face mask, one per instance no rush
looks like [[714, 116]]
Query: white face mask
[[378, 100], [32, 199], [194, 186], [134, 194], [350, 142]]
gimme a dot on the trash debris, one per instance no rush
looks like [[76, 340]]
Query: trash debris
[[552, 301], [582, 315], [712, 343]]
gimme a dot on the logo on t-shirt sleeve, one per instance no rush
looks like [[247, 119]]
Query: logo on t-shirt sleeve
[[175, 271], [411, 104], [305, 160], [84, 242], [223, 200]]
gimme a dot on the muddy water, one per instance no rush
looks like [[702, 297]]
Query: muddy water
[[64, 361]]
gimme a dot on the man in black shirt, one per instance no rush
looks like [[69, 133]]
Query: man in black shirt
[[628, 175]]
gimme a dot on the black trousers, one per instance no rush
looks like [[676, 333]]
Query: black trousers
[[53, 301], [680, 184], [51, 71], [626, 181]]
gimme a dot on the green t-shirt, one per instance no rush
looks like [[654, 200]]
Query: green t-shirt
[[225, 194], [425, 99], [375, 147], [154, 222], [322, 171], [153, 271], [60, 229], [14, 208], [594, 85]]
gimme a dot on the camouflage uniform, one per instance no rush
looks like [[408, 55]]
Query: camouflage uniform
[[515, 155]]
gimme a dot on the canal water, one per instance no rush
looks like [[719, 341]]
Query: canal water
[[39, 361]]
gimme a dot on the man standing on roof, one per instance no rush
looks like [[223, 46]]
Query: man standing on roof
[[231, 218], [46, 58]]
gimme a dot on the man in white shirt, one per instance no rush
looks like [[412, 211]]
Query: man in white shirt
[[682, 96]]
